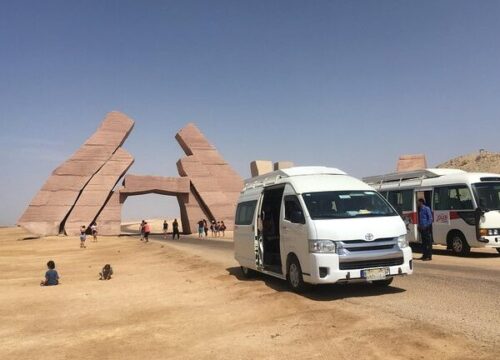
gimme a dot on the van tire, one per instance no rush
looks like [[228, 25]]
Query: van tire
[[458, 244], [247, 273], [382, 283], [294, 275]]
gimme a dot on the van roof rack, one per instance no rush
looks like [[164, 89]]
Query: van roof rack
[[409, 175], [273, 177]]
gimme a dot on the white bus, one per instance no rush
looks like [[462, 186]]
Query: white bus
[[318, 225], [466, 206]]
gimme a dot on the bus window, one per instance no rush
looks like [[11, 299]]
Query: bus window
[[401, 200], [452, 198]]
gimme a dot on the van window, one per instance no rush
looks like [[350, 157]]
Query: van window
[[457, 197], [293, 210], [401, 200], [244, 212], [346, 204]]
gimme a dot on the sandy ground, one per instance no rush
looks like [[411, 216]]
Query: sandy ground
[[166, 302]]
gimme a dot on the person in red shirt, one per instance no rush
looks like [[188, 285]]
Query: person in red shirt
[[147, 230]]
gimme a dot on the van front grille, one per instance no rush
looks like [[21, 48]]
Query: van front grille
[[363, 245], [370, 263]]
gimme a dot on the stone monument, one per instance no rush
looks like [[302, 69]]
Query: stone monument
[[84, 188]]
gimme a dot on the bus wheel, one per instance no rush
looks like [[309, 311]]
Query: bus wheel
[[294, 276], [247, 273], [382, 283], [459, 245]]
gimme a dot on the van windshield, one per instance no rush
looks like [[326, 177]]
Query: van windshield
[[487, 195], [346, 204]]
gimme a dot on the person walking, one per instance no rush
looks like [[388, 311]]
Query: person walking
[[141, 228], [217, 229], [83, 236], [200, 228], [222, 228], [175, 229], [212, 227], [93, 229], [165, 229], [424, 227], [205, 227], [147, 231]]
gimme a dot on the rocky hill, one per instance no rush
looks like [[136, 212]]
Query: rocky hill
[[482, 161]]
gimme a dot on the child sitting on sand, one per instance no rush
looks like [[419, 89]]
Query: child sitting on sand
[[106, 273], [51, 276]]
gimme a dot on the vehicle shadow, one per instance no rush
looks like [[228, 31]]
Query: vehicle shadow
[[327, 292], [416, 248]]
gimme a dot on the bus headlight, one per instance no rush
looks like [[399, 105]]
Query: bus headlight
[[402, 241], [322, 246]]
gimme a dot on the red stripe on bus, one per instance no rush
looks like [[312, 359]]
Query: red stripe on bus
[[454, 215], [412, 216]]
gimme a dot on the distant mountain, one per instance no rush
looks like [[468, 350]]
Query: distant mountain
[[483, 161]]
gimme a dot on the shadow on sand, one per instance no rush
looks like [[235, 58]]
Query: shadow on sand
[[320, 292], [416, 248]]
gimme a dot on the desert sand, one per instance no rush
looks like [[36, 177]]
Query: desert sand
[[168, 303]]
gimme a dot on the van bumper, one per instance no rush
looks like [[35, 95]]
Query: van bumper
[[325, 268], [488, 242]]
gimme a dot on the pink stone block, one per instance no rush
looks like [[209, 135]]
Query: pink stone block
[[411, 162], [280, 165], [261, 167]]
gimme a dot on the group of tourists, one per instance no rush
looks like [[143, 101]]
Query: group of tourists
[[145, 229], [175, 229], [216, 228], [83, 234]]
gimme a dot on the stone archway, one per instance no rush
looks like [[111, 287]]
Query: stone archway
[[81, 190], [191, 209]]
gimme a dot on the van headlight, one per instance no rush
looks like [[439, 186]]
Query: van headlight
[[322, 246], [402, 241]]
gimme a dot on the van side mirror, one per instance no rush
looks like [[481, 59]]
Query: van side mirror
[[297, 217]]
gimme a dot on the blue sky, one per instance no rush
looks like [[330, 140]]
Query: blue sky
[[350, 84]]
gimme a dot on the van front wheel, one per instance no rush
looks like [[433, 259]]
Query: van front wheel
[[294, 276]]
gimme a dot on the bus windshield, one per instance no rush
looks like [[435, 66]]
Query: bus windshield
[[487, 195], [346, 204]]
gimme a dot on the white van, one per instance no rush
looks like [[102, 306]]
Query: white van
[[318, 225]]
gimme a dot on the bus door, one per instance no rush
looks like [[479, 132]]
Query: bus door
[[403, 200], [425, 194]]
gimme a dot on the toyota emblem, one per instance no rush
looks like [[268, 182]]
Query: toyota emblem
[[369, 237]]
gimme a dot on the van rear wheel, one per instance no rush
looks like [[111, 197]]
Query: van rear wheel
[[294, 276]]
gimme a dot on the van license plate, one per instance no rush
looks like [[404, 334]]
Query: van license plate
[[374, 274]]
